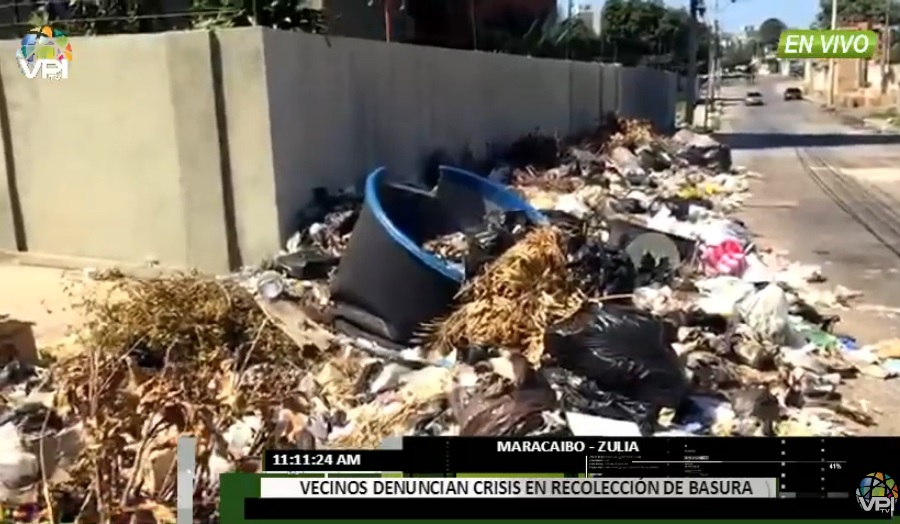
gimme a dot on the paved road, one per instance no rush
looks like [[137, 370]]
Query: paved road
[[829, 196]]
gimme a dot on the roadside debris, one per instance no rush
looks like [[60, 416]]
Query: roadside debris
[[611, 294]]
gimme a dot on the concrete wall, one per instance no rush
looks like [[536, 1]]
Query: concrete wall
[[119, 161], [199, 149], [816, 82]]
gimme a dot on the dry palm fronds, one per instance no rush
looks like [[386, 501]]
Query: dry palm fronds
[[633, 134], [511, 303], [167, 357], [375, 421]]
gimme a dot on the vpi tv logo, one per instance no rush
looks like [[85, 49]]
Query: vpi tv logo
[[45, 52], [877, 492]]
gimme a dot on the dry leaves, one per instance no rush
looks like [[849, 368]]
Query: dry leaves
[[164, 358], [632, 134], [513, 300]]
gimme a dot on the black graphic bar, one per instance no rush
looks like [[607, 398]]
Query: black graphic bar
[[808, 464], [555, 508], [334, 460]]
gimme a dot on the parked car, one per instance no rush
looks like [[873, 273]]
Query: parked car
[[753, 98], [793, 93]]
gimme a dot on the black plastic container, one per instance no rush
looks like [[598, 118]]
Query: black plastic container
[[387, 285]]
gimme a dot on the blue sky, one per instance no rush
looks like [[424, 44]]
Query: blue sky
[[733, 16]]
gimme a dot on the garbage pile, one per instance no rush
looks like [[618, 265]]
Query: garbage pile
[[607, 292]]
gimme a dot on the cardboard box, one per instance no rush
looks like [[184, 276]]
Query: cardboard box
[[17, 342]]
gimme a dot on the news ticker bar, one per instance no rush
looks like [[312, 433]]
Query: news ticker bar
[[409, 488], [824, 464], [290, 497]]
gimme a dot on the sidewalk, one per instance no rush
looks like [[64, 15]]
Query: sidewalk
[[869, 117]]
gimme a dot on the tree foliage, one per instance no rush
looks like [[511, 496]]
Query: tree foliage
[[93, 17], [770, 31], [855, 11], [634, 32], [738, 55]]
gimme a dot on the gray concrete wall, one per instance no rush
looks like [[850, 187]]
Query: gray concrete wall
[[199, 150], [119, 161]]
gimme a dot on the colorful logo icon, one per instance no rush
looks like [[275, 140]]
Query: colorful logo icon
[[45, 53], [877, 492]]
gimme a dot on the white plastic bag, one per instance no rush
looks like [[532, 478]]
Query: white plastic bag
[[18, 468], [766, 313]]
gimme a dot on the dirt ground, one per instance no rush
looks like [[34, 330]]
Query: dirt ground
[[43, 297]]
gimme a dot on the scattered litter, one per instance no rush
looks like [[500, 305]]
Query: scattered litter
[[631, 304]]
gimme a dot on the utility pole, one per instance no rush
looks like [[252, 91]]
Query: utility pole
[[832, 64], [711, 65], [691, 98], [886, 42], [717, 63]]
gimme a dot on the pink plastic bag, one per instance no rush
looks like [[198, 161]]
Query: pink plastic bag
[[724, 258]]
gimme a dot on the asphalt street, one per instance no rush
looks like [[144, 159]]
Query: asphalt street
[[828, 195]]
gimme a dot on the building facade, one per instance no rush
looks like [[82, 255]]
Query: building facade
[[592, 16]]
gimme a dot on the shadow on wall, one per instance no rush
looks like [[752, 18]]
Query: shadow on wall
[[236, 129], [739, 141]]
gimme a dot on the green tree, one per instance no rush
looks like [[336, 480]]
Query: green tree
[[635, 32], [770, 31], [648, 32], [737, 55], [93, 17], [856, 11]]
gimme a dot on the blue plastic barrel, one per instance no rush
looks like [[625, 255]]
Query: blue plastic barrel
[[387, 285]]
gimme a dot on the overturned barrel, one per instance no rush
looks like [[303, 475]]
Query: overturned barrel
[[387, 285]]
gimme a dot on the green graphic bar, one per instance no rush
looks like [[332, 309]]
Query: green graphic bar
[[510, 475], [840, 43], [346, 475]]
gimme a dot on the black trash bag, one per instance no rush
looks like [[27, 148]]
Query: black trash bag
[[680, 207], [567, 222], [308, 263], [628, 206], [602, 271], [16, 372], [581, 395], [327, 222], [598, 269], [499, 407], [637, 179], [623, 349], [571, 226], [654, 158], [331, 208], [499, 231], [539, 151], [708, 322], [717, 156], [472, 355], [809, 313]]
